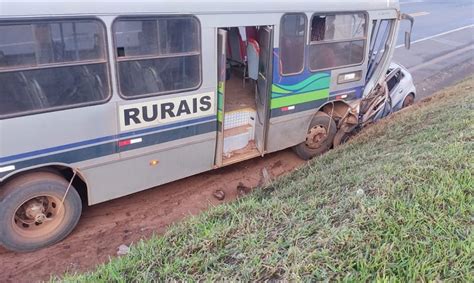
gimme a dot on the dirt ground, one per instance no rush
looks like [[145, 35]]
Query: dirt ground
[[104, 227]]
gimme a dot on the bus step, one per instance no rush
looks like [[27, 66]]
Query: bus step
[[237, 138]]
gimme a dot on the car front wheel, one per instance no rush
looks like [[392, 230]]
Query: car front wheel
[[409, 100]]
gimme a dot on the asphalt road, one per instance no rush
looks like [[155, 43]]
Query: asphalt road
[[443, 43]]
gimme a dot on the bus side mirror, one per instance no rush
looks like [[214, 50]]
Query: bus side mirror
[[407, 40], [408, 33]]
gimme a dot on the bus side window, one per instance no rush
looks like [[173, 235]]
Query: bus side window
[[337, 40], [49, 65], [292, 43], [157, 56], [17, 46]]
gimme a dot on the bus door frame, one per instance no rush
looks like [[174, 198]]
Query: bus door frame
[[221, 81], [264, 86], [263, 89]]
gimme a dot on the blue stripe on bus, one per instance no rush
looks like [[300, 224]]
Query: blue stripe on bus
[[169, 126], [171, 135], [353, 93], [102, 139], [312, 105], [101, 150]]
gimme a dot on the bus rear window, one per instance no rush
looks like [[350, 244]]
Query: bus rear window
[[337, 40], [51, 65], [157, 56]]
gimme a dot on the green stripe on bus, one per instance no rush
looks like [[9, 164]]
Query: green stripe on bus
[[279, 90], [220, 116], [220, 87], [299, 98], [313, 83], [220, 100]]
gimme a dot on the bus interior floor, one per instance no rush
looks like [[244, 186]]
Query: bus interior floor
[[238, 96]]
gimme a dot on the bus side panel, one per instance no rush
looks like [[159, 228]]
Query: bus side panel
[[287, 131], [294, 101], [81, 135], [172, 145], [140, 173]]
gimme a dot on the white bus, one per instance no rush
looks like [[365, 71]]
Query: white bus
[[102, 99]]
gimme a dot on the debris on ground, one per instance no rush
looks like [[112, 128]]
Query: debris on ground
[[123, 250], [266, 177], [243, 190], [219, 194]]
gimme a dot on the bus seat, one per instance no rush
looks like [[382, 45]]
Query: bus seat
[[251, 33], [91, 84], [153, 82], [253, 57], [32, 92], [134, 78], [38, 93], [237, 46], [12, 97], [238, 52]]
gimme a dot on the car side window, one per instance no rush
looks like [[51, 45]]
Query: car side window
[[394, 81]]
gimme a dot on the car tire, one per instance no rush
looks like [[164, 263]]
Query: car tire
[[319, 139], [408, 101], [342, 137], [31, 214]]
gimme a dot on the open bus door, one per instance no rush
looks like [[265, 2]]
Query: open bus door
[[265, 39], [243, 110], [221, 79]]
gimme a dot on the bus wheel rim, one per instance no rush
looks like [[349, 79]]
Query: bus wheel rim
[[316, 137], [38, 217]]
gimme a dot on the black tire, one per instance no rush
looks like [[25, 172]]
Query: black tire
[[40, 189], [322, 120], [408, 101], [342, 137]]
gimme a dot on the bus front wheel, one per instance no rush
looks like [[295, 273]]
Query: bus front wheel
[[319, 138], [33, 214]]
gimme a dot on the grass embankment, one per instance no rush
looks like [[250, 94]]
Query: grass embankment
[[394, 204]]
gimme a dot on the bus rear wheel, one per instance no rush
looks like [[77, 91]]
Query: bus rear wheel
[[319, 138], [33, 214]]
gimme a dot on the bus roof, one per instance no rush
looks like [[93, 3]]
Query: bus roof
[[12, 8]]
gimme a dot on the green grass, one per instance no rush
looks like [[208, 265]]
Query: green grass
[[395, 204]]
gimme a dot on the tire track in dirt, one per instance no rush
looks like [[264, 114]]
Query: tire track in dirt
[[104, 227]]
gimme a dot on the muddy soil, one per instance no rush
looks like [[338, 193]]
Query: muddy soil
[[104, 227]]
